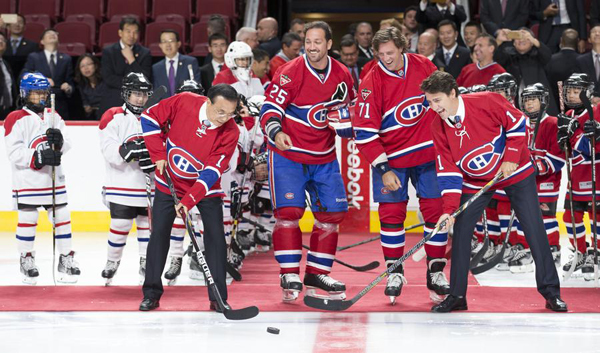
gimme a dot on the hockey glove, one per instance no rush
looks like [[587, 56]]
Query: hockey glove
[[339, 120], [236, 199], [566, 129], [243, 167], [132, 150], [338, 99], [542, 166], [54, 138], [146, 164], [591, 128], [46, 157]]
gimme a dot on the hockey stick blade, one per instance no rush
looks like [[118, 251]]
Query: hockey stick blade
[[235, 274], [241, 314], [340, 248], [490, 264], [477, 258], [368, 267], [327, 304]]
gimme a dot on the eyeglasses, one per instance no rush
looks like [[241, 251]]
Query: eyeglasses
[[225, 114], [168, 41]]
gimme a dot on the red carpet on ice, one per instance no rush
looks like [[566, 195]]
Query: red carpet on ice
[[260, 287]]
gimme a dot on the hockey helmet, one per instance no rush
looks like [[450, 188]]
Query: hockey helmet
[[463, 90], [477, 88], [255, 104], [535, 91], [505, 83], [577, 81], [235, 54], [34, 81], [135, 82], [191, 86]]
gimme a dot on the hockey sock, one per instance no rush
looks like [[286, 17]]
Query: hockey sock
[[579, 227], [177, 236], [479, 230], [287, 239], [431, 209], [551, 225], [143, 233], [391, 217], [323, 242], [63, 229], [26, 229], [117, 237]]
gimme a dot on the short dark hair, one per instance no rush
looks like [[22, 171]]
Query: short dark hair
[[439, 82], [319, 24], [128, 20], [289, 38], [217, 23], [347, 41], [259, 55], [490, 39], [569, 38], [409, 9], [474, 24], [216, 36], [23, 18], [297, 21], [169, 31], [445, 23], [223, 90], [392, 34], [46, 31]]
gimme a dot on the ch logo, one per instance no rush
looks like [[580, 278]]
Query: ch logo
[[411, 110]]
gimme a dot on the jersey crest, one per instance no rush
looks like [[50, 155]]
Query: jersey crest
[[482, 160], [317, 116], [410, 111], [183, 164], [39, 143]]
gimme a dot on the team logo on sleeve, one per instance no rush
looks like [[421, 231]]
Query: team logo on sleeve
[[284, 80], [183, 164], [482, 160], [411, 110], [365, 93]]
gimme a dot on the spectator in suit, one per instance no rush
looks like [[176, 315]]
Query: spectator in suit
[[525, 58], [297, 26], [430, 15], [350, 58], [503, 14], [452, 56], [217, 45], [267, 36], [260, 66], [8, 87], [19, 47], [555, 16], [363, 36], [173, 69], [57, 67], [472, 32], [427, 45], [412, 26], [121, 58], [291, 43], [594, 13], [589, 63], [89, 84], [481, 71], [247, 35], [561, 65]]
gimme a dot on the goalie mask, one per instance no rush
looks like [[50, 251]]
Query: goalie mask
[[238, 59], [504, 84], [36, 83], [135, 83], [529, 95], [574, 85], [191, 86]]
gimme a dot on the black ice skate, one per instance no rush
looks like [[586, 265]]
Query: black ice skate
[[580, 260], [28, 269], [291, 285], [522, 262], [588, 267], [68, 270], [509, 254], [142, 270], [174, 270], [335, 289], [245, 240], [262, 239], [110, 269], [395, 281], [438, 285]]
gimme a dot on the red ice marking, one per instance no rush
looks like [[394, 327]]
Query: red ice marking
[[342, 333]]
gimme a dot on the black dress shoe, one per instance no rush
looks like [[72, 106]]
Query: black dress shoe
[[451, 303], [214, 306], [556, 304], [149, 304]]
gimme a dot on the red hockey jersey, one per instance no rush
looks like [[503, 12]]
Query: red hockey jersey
[[549, 159], [367, 68], [473, 74], [297, 96], [582, 161], [278, 61], [487, 131], [390, 121], [196, 152]]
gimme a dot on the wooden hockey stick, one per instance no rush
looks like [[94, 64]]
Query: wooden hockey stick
[[53, 172]]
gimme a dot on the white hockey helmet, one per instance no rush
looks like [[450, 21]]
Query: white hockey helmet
[[236, 51]]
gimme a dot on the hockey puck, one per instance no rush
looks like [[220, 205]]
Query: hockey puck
[[273, 330]]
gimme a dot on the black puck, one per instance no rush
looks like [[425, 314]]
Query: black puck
[[273, 330]]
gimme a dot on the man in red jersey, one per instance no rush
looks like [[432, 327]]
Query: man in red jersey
[[482, 71]]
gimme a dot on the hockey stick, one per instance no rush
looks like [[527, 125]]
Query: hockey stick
[[486, 244], [191, 72], [588, 106], [340, 248], [230, 314], [368, 267], [338, 305], [53, 172], [499, 256]]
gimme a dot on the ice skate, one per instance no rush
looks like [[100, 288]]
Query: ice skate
[[291, 285], [262, 239], [245, 240], [174, 270], [489, 253], [555, 254], [335, 289], [476, 245], [522, 262], [28, 268], [142, 270], [393, 288], [437, 283], [509, 254], [235, 255], [196, 272], [587, 269], [68, 270], [579, 258], [110, 269]]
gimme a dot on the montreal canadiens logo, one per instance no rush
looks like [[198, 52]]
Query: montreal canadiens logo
[[289, 195], [410, 111], [39, 143], [183, 164], [132, 138], [384, 191], [317, 116], [480, 161]]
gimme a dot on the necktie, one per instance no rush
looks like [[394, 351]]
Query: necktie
[[597, 66], [220, 67], [504, 2], [14, 46], [556, 19], [172, 77], [448, 57], [52, 65], [355, 77]]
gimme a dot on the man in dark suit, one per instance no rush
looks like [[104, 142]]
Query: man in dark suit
[[364, 37], [267, 30], [589, 63], [430, 15], [121, 58], [554, 20], [452, 56], [499, 14], [561, 65], [217, 46], [8, 87], [350, 58], [57, 67], [19, 47], [174, 68]]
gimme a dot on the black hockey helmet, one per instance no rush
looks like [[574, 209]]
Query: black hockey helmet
[[135, 82], [477, 88], [579, 81], [504, 82], [191, 86], [463, 90], [537, 90]]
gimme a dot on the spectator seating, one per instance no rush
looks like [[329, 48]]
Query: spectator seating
[[172, 7], [78, 7], [34, 31], [39, 18], [76, 32], [8, 6], [88, 20], [224, 7], [153, 31], [73, 49], [108, 34], [198, 32], [135, 7], [37, 7]]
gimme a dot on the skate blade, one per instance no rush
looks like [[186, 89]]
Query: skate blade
[[437, 298], [108, 282], [263, 248], [172, 282], [502, 267], [32, 281], [290, 295], [197, 276], [312, 292], [521, 269], [65, 278], [392, 300]]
